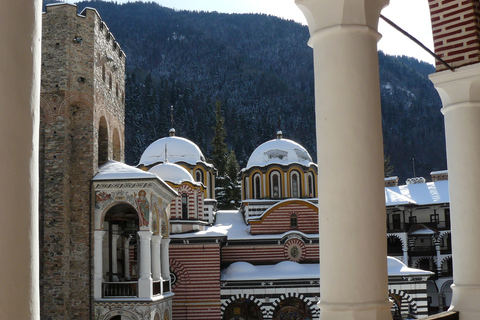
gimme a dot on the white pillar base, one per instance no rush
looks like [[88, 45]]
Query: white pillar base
[[145, 288], [357, 311], [465, 299]]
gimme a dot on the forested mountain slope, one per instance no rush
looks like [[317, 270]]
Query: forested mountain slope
[[261, 69]]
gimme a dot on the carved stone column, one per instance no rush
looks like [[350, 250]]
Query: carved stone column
[[156, 266], [166, 261], [353, 249], [145, 282], [98, 263]]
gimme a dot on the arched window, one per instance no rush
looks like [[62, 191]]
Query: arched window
[[102, 142], [103, 72], [199, 176], [184, 206], [311, 185], [257, 187], [276, 187], [293, 221], [295, 186]]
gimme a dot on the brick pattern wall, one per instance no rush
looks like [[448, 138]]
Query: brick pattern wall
[[195, 202], [260, 254], [277, 219], [71, 100], [197, 289], [455, 26]]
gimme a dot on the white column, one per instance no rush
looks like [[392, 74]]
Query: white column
[[353, 250], [20, 52], [460, 94], [405, 255], [156, 266], [166, 261], [439, 260], [98, 263], [127, 258], [115, 238], [145, 282]]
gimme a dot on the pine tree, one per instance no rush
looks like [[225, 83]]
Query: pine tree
[[231, 185], [220, 150]]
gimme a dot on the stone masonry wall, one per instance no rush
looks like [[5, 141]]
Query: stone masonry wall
[[455, 27], [71, 100]]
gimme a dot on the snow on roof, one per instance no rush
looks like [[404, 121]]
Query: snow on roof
[[393, 198], [172, 172], [419, 193], [241, 270], [398, 268], [114, 170], [282, 270], [178, 149], [230, 223], [279, 151]]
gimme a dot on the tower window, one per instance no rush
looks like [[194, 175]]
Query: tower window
[[293, 221], [295, 185], [184, 206], [276, 191], [257, 187]]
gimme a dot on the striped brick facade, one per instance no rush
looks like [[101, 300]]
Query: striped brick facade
[[196, 269], [455, 27], [277, 219], [195, 201], [262, 254]]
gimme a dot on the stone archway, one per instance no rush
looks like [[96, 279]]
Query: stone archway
[[292, 308], [244, 308]]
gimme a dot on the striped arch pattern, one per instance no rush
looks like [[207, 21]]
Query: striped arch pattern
[[445, 259], [405, 296], [442, 235], [310, 304], [232, 299], [425, 258], [180, 271], [390, 235]]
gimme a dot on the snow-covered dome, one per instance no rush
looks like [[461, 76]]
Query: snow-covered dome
[[172, 172], [178, 149], [279, 151]]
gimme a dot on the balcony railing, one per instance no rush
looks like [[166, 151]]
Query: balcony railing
[[422, 251], [120, 289], [157, 287], [166, 286]]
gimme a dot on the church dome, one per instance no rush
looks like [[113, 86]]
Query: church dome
[[178, 150], [279, 151], [172, 173]]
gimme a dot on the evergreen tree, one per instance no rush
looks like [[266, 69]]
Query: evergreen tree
[[230, 193], [220, 151]]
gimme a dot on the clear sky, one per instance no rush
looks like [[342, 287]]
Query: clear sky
[[411, 15]]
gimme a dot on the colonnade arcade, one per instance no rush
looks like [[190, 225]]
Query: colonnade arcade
[[344, 40], [131, 239]]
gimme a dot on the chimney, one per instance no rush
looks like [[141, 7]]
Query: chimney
[[416, 180], [439, 175], [391, 181]]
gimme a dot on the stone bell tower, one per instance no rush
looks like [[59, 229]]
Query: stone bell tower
[[81, 128]]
